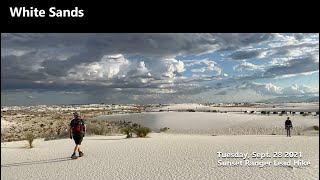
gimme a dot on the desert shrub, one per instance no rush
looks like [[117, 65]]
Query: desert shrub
[[30, 138], [141, 131], [164, 129], [128, 131], [2, 136], [94, 121], [316, 128], [305, 114], [99, 128], [280, 114], [10, 137]]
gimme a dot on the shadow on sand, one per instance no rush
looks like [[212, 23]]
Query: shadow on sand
[[37, 162], [105, 139], [22, 147]]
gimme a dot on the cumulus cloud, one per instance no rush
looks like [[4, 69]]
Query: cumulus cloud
[[262, 88], [298, 90], [246, 66], [206, 65], [270, 89]]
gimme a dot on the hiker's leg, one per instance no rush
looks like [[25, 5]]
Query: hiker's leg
[[289, 132], [76, 148], [80, 140], [77, 140]]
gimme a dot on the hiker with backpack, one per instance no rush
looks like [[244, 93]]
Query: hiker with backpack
[[77, 131]]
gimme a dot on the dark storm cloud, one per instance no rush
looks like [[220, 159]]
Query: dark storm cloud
[[240, 55], [294, 66], [286, 49], [147, 44], [234, 41], [59, 68], [44, 61], [300, 36]]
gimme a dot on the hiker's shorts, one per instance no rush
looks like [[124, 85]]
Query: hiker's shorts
[[78, 137]]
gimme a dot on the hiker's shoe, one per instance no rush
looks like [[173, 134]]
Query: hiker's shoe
[[73, 156], [80, 154]]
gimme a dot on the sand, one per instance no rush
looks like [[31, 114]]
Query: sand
[[188, 150], [232, 123], [297, 107], [161, 156]]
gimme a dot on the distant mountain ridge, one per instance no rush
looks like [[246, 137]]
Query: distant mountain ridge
[[293, 99]]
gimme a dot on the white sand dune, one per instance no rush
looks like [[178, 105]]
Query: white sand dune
[[220, 123], [162, 156], [184, 106], [297, 107]]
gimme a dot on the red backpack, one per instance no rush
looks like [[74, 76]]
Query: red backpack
[[78, 125]]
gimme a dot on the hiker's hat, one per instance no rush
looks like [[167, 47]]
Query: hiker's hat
[[76, 114]]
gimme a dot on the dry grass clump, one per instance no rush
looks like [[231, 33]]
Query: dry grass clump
[[30, 138]]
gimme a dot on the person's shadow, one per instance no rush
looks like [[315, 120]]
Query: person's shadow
[[37, 162]]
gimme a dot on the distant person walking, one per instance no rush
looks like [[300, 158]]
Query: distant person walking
[[288, 126], [77, 131]]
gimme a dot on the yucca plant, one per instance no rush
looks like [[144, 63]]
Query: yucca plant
[[30, 138]]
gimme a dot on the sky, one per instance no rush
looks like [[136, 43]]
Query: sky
[[144, 68]]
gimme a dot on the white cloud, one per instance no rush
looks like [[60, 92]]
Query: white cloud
[[247, 66], [198, 70], [309, 73], [285, 76], [298, 90], [262, 88], [173, 67], [270, 89], [207, 65], [106, 69]]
